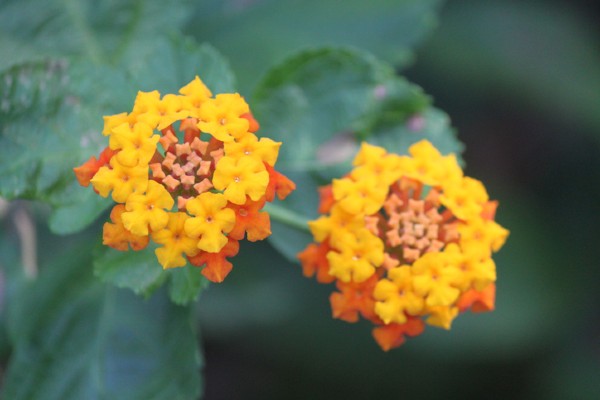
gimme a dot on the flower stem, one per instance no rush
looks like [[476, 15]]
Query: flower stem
[[287, 217]]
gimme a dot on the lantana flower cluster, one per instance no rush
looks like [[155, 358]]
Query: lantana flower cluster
[[408, 241], [188, 172]]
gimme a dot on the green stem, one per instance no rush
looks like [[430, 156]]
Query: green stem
[[287, 217]]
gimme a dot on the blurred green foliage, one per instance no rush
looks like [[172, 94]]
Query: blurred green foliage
[[514, 76]]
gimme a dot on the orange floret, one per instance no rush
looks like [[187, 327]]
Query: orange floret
[[278, 184], [478, 301], [253, 123], [250, 221], [217, 266], [392, 335], [314, 261], [86, 171], [117, 236], [354, 299], [326, 200]]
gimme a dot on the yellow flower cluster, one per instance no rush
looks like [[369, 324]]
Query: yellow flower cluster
[[199, 194], [408, 240]]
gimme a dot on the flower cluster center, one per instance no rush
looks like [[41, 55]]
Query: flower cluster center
[[415, 226], [186, 169]]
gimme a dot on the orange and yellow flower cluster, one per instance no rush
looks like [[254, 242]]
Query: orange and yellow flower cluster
[[197, 194], [407, 240]]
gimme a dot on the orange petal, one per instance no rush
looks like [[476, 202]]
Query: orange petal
[[314, 260], [254, 125], [478, 301], [355, 298], [188, 126], [278, 184], [340, 308], [86, 171], [250, 221], [115, 235], [392, 335], [326, 199], [217, 266], [489, 210]]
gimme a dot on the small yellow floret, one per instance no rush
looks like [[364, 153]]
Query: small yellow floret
[[465, 199], [239, 177], [365, 196], [123, 181], [336, 226], [485, 234], [194, 94], [357, 258], [373, 163], [395, 296], [169, 110], [175, 242], [441, 316], [147, 211], [145, 108], [264, 149], [436, 277], [429, 166], [212, 220], [137, 145], [222, 117], [112, 121]]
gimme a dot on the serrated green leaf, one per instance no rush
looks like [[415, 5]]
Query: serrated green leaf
[[50, 122], [186, 284], [172, 62], [75, 338], [135, 270], [51, 119], [431, 124], [31, 30], [255, 34], [81, 209], [320, 104], [141, 272]]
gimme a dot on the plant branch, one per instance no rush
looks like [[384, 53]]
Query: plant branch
[[28, 238], [287, 217]]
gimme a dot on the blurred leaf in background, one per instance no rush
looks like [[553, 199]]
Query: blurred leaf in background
[[75, 338], [103, 31], [255, 34]]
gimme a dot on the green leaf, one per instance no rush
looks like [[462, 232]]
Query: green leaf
[[51, 119], [141, 272], [186, 284], [321, 104], [255, 34], [75, 338], [174, 61], [135, 270], [82, 208], [31, 30]]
